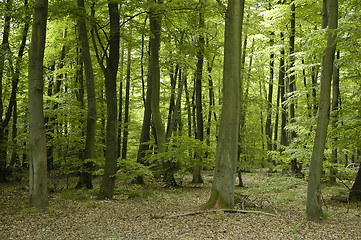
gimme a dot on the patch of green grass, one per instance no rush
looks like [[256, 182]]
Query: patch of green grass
[[74, 195]]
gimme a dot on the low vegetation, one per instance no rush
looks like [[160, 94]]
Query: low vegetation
[[76, 214]]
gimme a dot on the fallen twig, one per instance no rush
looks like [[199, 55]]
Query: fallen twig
[[211, 211]]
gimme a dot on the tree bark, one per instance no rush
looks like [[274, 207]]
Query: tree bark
[[126, 107], [222, 193], [154, 76], [38, 161], [334, 115], [281, 81], [295, 168], [110, 72], [314, 204], [268, 127], [197, 177], [85, 178], [4, 51]]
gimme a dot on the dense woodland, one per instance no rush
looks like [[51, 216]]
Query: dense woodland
[[144, 90]]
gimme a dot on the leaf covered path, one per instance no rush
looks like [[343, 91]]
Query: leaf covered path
[[77, 215]]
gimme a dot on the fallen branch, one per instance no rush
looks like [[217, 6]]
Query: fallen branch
[[211, 211]]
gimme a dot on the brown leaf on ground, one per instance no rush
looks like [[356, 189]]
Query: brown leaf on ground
[[78, 215]]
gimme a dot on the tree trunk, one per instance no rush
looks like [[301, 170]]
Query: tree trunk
[[108, 182], [281, 78], [355, 193], [38, 161], [4, 51], [334, 115], [268, 127], [120, 107], [294, 165], [126, 108], [154, 76], [314, 204], [85, 178], [222, 193], [197, 177]]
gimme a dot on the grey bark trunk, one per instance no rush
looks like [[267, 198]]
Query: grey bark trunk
[[314, 204], [222, 193], [37, 140]]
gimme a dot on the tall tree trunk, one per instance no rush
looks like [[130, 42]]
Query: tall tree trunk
[[314, 204], [4, 51], [268, 127], [294, 165], [197, 177], [15, 82], [334, 115], [222, 193], [154, 76], [126, 108], [120, 107], [281, 82], [108, 182], [38, 161], [85, 178]]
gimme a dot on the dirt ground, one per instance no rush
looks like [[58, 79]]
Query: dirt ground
[[75, 214]]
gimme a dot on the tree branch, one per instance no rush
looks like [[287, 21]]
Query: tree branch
[[153, 216]]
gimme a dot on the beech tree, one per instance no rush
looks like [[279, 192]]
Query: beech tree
[[314, 202], [38, 161], [85, 178], [222, 193]]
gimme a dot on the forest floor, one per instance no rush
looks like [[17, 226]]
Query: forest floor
[[136, 211]]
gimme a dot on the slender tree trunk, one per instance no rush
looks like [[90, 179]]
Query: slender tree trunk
[[4, 51], [108, 182], [154, 76], [334, 115], [197, 177], [222, 193], [294, 165], [314, 204], [120, 107], [38, 161], [126, 108], [85, 178], [173, 84], [275, 136], [268, 127], [281, 81]]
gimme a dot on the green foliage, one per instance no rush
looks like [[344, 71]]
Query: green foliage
[[129, 170], [184, 153]]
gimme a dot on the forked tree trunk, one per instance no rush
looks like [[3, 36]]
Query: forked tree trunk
[[314, 204], [38, 169], [222, 193]]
